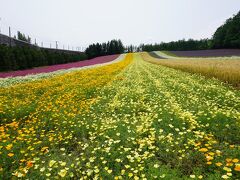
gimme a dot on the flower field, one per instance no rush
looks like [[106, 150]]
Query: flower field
[[52, 68], [129, 119]]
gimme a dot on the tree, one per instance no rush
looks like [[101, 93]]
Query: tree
[[22, 37], [109, 48], [228, 35]]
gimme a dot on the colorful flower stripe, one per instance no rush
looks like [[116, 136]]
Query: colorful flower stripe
[[4, 82], [47, 69]]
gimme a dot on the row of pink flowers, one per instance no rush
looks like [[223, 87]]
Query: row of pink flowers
[[46, 69]]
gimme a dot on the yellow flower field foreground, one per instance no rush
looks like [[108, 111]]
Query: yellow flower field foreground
[[224, 69], [128, 120], [34, 115]]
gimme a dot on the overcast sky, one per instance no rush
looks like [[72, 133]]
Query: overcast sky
[[81, 22]]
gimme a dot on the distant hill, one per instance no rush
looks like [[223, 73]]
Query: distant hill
[[228, 35]]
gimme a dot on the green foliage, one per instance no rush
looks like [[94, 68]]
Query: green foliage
[[178, 45], [228, 35], [22, 37], [19, 58], [109, 48]]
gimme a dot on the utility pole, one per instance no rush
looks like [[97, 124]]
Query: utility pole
[[68, 47], [10, 39], [9, 31], [63, 47], [56, 45], [50, 45], [42, 44]]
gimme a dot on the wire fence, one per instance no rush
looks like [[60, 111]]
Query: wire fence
[[12, 32]]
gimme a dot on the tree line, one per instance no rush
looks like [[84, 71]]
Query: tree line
[[226, 36], [19, 58], [178, 45], [102, 49]]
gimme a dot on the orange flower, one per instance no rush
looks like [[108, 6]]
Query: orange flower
[[228, 160], [198, 144], [237, 168], [229, 164], [29, 164]]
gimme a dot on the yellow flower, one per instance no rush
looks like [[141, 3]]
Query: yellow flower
[[136, 178], [156, 166], [127, 166], [203, 150], [130, 174], [9, 146], [225, 177], [42, 169], [96, 170], [63, 163], [109, 171], [218, 164], [45, 149], [235, 160], [227, 169], [10, 154], [118, 160], [51, 163], [18, 174], [192, 176], [211, 153], [62, 173]]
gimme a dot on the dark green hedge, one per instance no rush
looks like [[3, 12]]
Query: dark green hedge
[[19, 58], [109, 48]]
